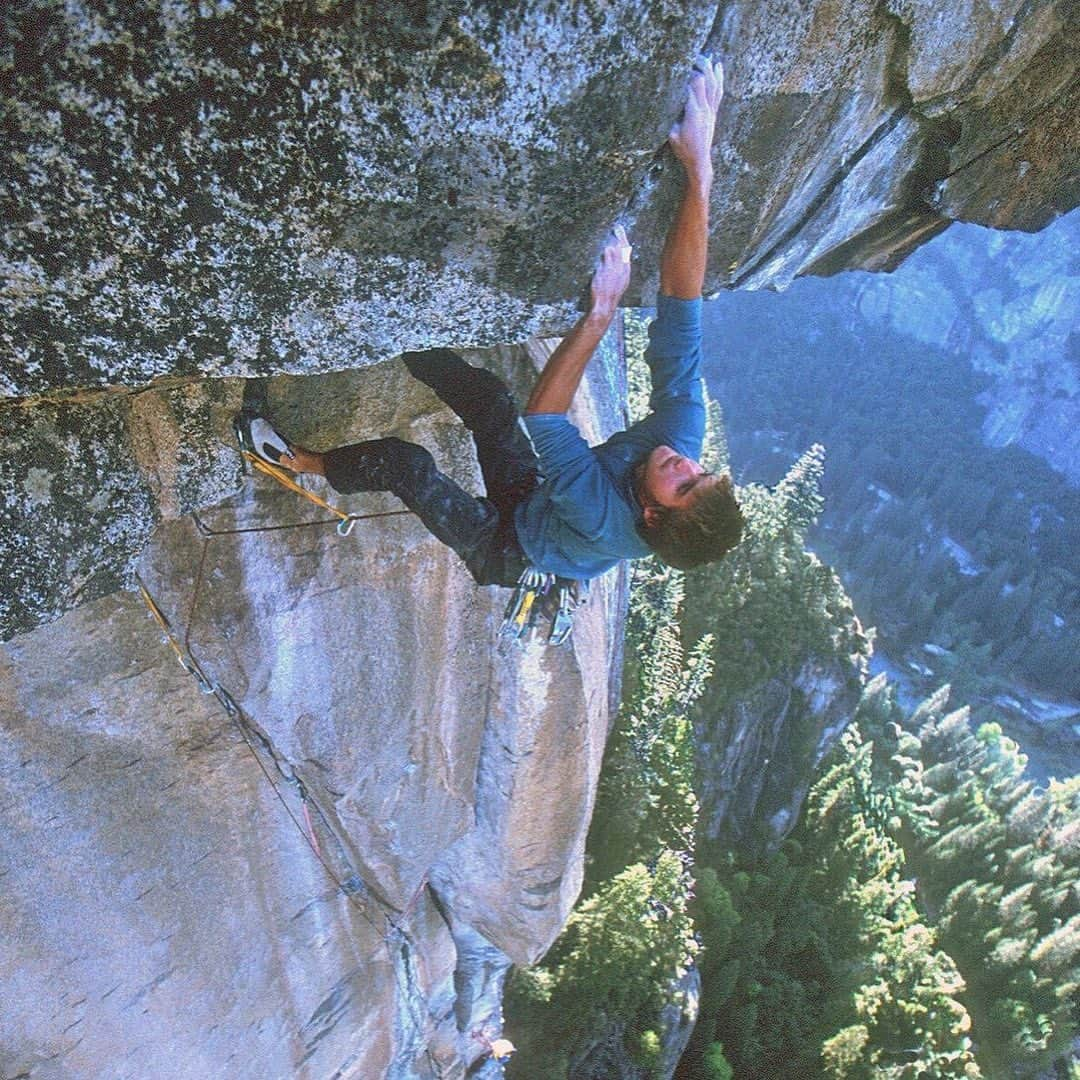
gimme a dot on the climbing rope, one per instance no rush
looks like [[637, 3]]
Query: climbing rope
[[352, 885], [207, 531], [346, 522], [349, 885], [249, 731]]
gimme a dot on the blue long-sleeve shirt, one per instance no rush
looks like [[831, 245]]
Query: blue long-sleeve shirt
[[583, 518]]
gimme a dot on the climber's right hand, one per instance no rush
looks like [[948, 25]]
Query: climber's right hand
[[691, 138]]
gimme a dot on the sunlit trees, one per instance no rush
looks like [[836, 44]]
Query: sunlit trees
[[998, 861], [833, 972]]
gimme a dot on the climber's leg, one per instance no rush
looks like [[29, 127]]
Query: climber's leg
[[507, 459], [481, 531], [467, 524]]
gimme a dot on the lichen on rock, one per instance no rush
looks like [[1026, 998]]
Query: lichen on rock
[[217, 190]]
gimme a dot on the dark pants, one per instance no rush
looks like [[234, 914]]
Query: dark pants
[[480, 530]]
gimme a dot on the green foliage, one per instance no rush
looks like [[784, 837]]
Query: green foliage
[[533, 986], [817, 962], [716, 1066], [922, 916], [770, 605], [649, 1050], [902, 986], [998, 862], [638, 383], [843, 1054], [625, 943], [646, 800]]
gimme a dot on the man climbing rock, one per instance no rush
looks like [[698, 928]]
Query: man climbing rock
[[554, 504]]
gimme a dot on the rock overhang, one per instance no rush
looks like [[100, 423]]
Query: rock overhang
[[216, 192]]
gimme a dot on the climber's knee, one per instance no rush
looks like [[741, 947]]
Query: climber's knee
[[480, 398], [495, 406], [407, 460]]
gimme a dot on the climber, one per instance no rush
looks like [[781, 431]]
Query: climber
[[553, 503]]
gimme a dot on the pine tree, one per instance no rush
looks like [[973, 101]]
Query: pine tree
[[817, 962], [997, 862], [770, 604], [904, 988], [631, 937]]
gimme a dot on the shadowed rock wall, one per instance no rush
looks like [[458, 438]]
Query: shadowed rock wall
[[759, 754]]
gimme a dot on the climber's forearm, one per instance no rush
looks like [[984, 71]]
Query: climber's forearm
[[558, 382], [682, 264]]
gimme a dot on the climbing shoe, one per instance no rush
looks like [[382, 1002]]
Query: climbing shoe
[[258, 436]]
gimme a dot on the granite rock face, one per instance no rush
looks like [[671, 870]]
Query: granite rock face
[[759, 753], [335, 882], [87, 479], [223, 191], [859, 129]]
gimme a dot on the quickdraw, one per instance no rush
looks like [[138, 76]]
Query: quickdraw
[[539, 594], [187, 661], [346, 522]]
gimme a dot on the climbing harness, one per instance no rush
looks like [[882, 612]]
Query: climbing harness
[[540, 595]]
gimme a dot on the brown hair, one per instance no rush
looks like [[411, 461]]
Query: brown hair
[[703, 532]]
